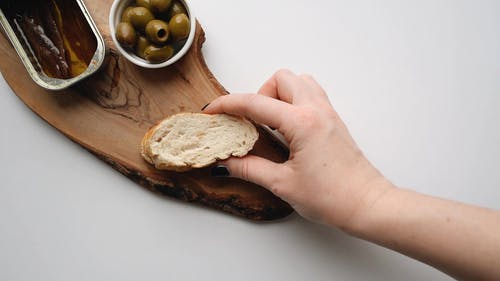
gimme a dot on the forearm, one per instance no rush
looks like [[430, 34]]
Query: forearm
[[461, 240]]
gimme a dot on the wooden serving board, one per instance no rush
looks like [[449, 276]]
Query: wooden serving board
[[109, 113]]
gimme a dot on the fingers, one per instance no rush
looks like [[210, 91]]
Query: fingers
[[261, 109], [294, 89], [283, 85], [254, 169], [314, 86]]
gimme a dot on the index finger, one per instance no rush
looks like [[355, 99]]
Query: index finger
[[261, 109]]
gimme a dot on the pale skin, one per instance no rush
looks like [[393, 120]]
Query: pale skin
[[327, 179]]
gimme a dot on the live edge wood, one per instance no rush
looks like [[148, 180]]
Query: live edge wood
[[109, 113]]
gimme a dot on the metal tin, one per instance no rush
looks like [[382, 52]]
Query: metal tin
[[23, 50]]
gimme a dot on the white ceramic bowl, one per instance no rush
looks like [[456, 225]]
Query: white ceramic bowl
[[114, 19]]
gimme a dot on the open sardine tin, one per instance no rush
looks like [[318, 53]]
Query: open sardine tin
[[57, 40]]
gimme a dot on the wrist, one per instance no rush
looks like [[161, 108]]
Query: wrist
[[372, 199]]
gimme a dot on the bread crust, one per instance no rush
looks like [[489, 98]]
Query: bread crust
[[145, 147], [152, 158]]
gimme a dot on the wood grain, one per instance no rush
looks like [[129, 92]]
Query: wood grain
[[109, 113]]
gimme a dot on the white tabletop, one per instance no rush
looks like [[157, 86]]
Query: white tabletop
[[417, 82]]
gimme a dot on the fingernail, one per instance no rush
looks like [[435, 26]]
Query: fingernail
[[219, 171], [206, 105]]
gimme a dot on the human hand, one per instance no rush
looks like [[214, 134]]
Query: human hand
[[326, 178]]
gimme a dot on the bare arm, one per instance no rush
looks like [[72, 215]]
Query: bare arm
[[328, 179], [458, 239]]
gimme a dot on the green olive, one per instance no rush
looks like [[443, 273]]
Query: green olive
[[158, 54], [127, 14], [177, 45], [144, 3], [157, 31], [160, 6], [125, 34], [141, 45], [140, 16], [179, 26], [176, 8]]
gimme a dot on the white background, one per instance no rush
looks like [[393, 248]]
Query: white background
[[417, 82]]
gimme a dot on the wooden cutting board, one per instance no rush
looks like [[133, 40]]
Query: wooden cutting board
[[109, 113]]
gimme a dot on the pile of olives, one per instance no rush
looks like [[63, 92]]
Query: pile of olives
[[154, 29]]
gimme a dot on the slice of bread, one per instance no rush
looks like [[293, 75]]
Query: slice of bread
[[195, 140]]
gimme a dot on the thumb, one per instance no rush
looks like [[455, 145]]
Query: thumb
[[253, 169]]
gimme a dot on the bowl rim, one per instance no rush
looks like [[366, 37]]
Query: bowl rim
[[113, 21]]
